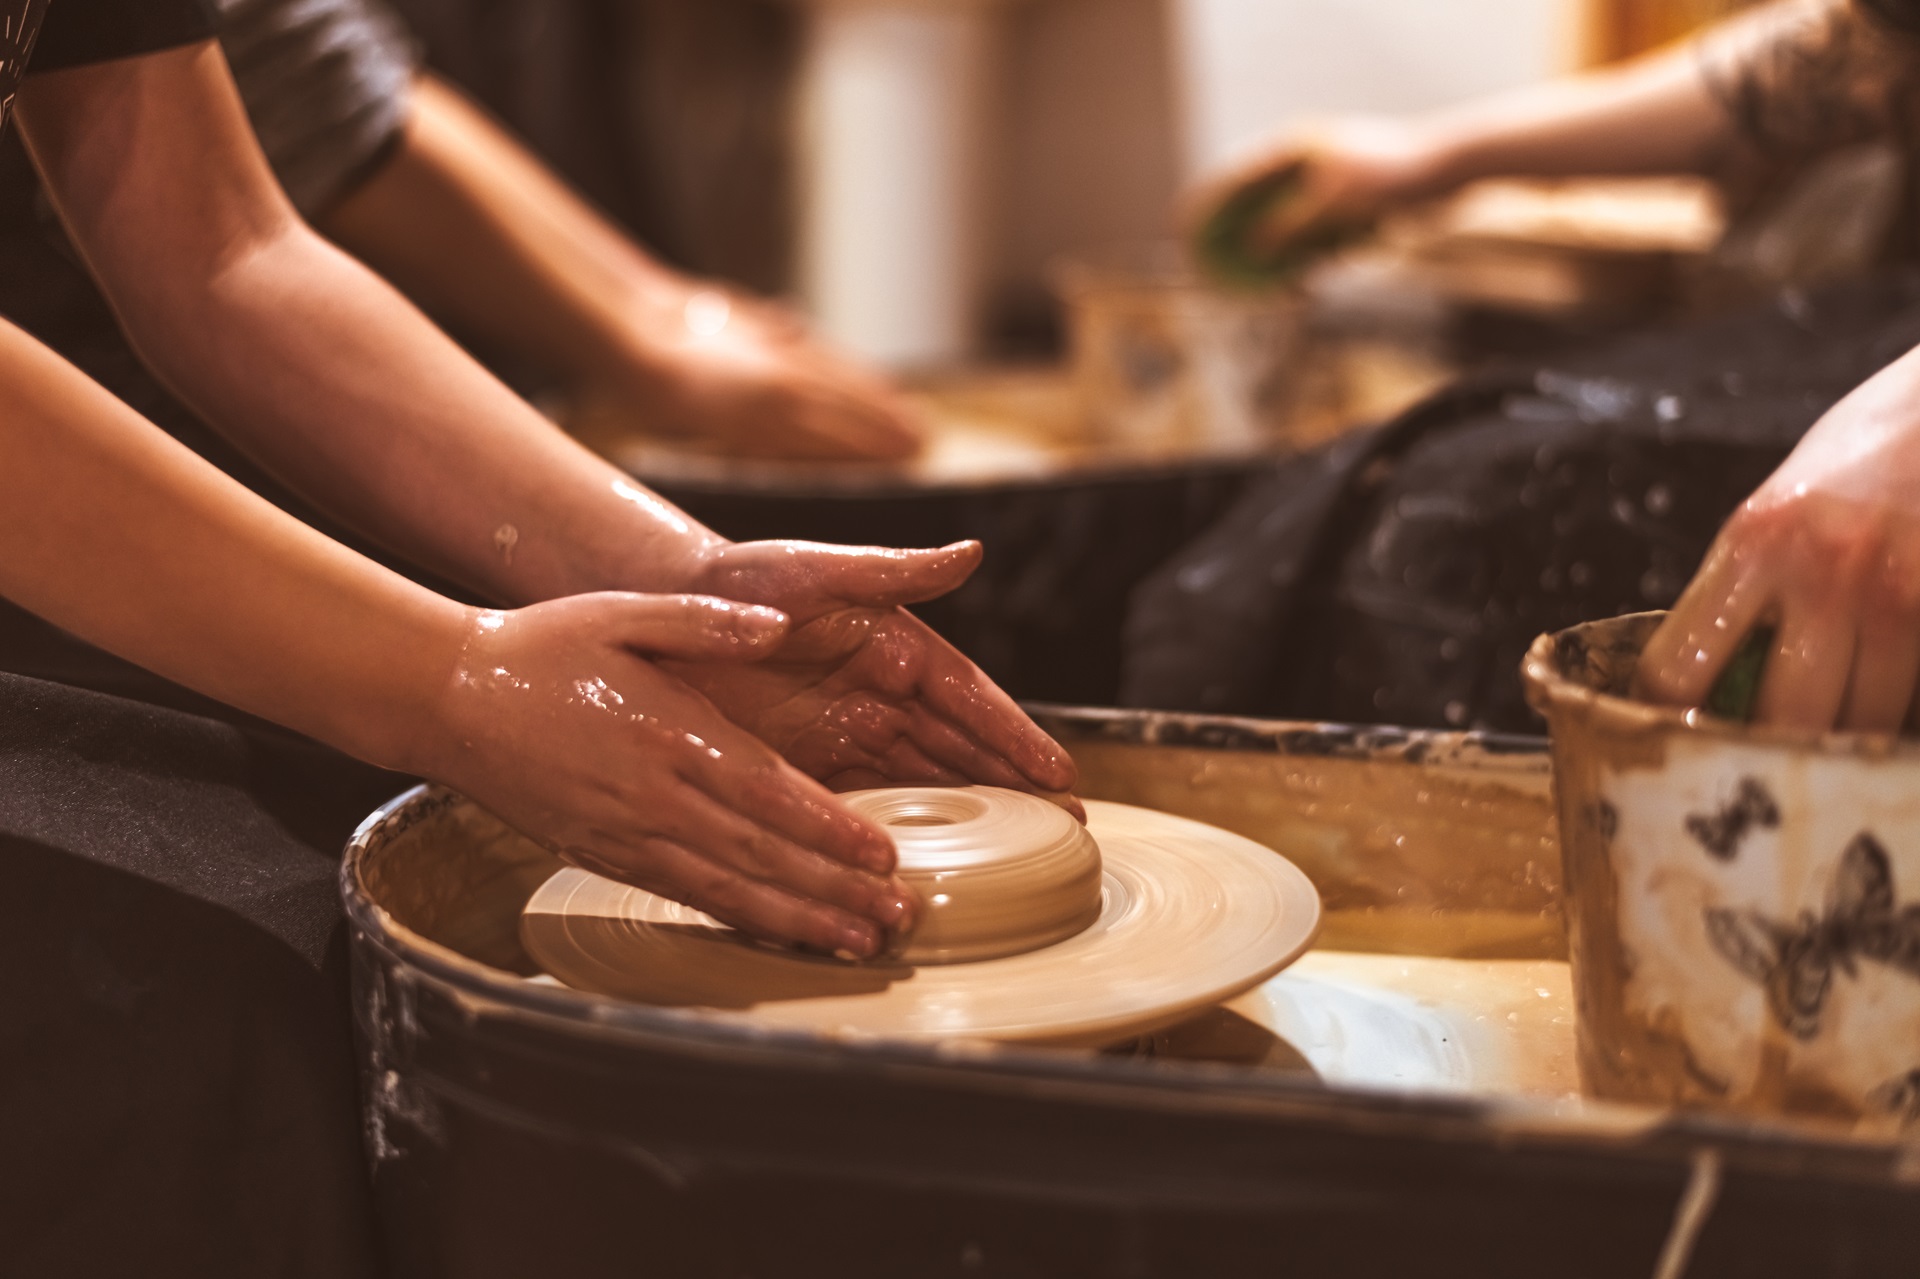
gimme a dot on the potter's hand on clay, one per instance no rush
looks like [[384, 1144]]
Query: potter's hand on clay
[[1827, 554], [744, 377], [562, 724], [862, 693], [1350, 172]]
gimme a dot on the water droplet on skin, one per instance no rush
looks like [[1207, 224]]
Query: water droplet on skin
[[653, 506], [706, 314]]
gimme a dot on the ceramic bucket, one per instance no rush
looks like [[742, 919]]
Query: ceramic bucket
[[1743, 905]]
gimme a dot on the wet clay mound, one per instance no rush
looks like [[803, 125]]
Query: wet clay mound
[[1400, 576]]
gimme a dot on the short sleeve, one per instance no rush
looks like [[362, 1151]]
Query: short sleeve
[[77, 32], [327, 84]]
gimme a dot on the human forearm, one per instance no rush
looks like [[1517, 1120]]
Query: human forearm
[[317, 368], [1794, 76], [311, 363], [476, 229], [116, 533], [1654, 115], [469, 223]]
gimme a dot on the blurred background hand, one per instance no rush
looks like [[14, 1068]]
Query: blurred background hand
[[745, 377], [1331, 177]]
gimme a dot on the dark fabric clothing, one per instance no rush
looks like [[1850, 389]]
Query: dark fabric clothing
[[77, 32], [1400, 576], [327, 85], [672, 117], [177, 1085]]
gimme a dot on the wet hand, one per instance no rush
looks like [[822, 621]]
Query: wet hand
[[1826, 554], [744, 377], [1313, 186], [561, 720], [862, 693]]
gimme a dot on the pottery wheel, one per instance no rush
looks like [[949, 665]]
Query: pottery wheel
[[1179, 915]]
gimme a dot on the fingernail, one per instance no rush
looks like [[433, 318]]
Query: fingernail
[[895, 912], [880, 854], [857, 943]]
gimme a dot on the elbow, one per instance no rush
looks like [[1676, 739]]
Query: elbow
[[187, 315]]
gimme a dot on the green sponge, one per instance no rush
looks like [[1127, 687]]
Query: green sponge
[[1225, 247], [1738, 687]]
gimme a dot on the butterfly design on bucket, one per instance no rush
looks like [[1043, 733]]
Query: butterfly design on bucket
[[1752, 808], [1796, 961]]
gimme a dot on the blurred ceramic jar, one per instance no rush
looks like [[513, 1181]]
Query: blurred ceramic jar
[[1165, 362]]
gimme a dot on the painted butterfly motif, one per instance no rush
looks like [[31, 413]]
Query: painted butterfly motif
[[1796, 962], [1899, 1097], [1722, 833]]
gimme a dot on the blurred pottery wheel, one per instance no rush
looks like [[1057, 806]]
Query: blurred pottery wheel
[[1032, 931]]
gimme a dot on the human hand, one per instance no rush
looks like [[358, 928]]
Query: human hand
[[745, 377], [862, 693], [560, 720], [1310, 190], [1827, 554]]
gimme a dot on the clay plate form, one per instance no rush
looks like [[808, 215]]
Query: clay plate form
[[1743, 903], [1036, 930]]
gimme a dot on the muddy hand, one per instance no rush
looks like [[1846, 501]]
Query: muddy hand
[[1827, 555], [1348, 174], [745, 377], [862, 693], [559, 721]]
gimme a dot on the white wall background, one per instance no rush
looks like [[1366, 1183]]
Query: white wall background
[[1245, 66]]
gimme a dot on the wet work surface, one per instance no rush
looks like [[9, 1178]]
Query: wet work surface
[[1500, 1027]]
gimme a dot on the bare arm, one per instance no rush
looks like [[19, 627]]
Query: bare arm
[[1795, 75], [318, 369], [309, 362], [113, 531], [465, 220]]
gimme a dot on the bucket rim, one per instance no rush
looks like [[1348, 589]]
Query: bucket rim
[[1560, 695]]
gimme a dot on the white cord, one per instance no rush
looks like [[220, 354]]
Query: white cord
[[1690, 1217]]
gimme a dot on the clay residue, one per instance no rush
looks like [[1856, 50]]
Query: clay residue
[[1431, 854]]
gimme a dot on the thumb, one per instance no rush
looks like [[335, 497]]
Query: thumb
[[694, 627]]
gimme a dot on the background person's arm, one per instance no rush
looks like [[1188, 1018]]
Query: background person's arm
[[478, 230], [1680, 110], [308, 361]]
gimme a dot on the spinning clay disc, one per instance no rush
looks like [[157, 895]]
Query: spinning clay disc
[[1033, 928]]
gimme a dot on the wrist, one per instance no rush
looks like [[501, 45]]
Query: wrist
[[1443, 154], [406, 721]]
